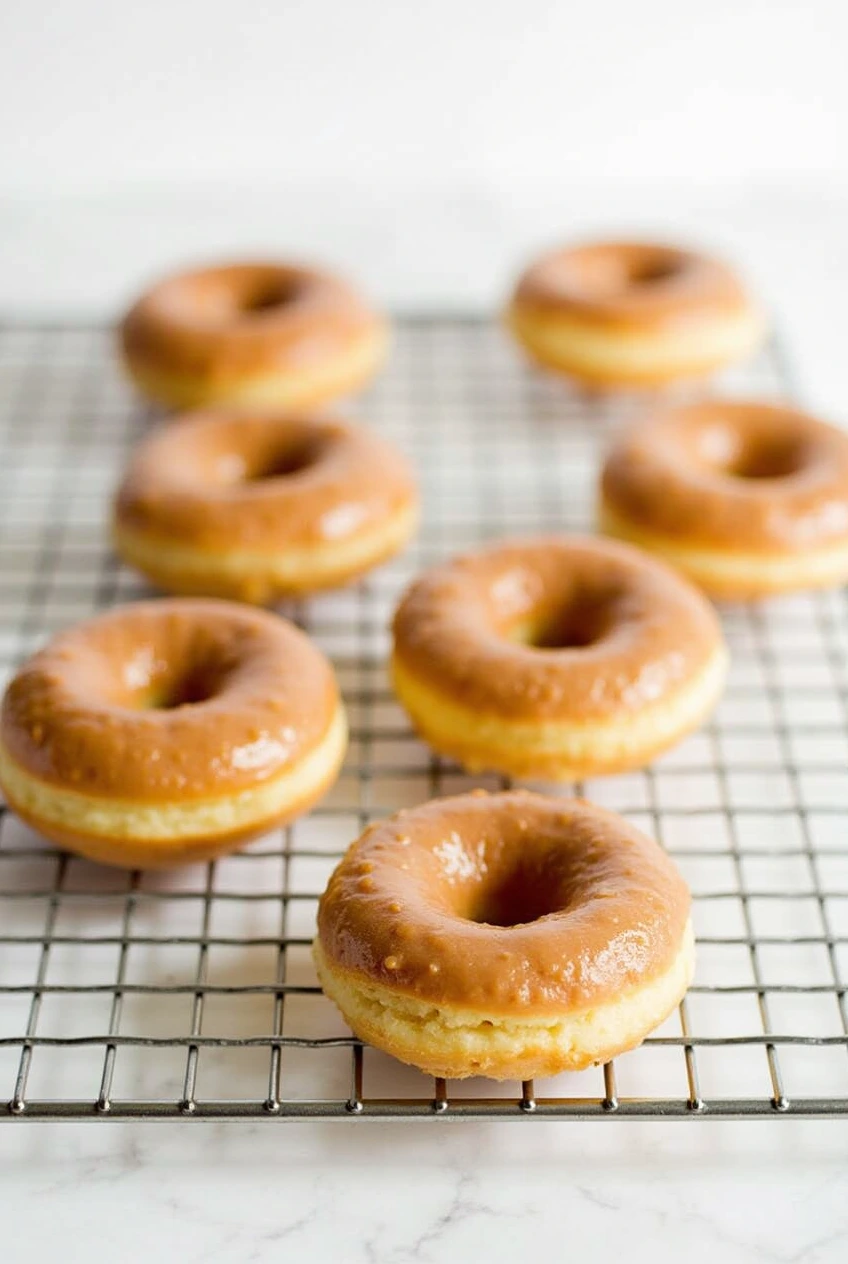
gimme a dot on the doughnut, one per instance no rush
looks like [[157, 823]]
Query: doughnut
[[628, 314], [555, 658], [169, 731], [257, 506], [508, 935], [745, 498], [254, 334]]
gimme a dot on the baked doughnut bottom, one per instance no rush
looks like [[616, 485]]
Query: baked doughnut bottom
[[454, 1043], [552, 750], [734, 575], [634, 358], [163, 834], [260, 577]]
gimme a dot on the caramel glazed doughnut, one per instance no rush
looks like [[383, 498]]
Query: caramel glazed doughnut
[[746, 498], [169, 731], [508, 935], [633, 314], [253, 334], [257, 507], [556, 658]]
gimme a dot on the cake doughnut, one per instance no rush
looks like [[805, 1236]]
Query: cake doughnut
[[746, 498], [169, 731], [256, 506], [507, 935], [633, 314], [271, 335], [556, 658]]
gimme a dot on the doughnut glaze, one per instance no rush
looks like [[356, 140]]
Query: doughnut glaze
[[745, 497], [508, 935], [253, 334], [555, 657], [171, 730], [629, 314], [257, 506]]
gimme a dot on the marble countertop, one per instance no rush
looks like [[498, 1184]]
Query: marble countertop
[[739, 1193]]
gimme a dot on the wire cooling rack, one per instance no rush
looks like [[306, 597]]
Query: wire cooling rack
[[192, 994]]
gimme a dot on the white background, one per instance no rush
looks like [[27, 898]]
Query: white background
[[427, 148], [394, 97]]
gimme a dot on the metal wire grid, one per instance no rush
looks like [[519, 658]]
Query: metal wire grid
[[193, 995]]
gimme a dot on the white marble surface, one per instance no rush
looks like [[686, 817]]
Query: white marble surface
[[735, 1193]]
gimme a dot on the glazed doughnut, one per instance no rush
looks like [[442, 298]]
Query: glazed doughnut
[[745, 498], [169, 731], [507, 935], [257, 507], [255, 334], [626, 314], [556, 658]]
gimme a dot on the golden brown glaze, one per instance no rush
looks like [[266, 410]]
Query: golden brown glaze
[[555, 628], [243, 319], [169, 700], [251, 481], [630, 285], [511, 903], [740, 476]]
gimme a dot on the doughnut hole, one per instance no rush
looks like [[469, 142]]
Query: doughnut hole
[[754, 456], [158, 679], [652, 269], [515, 898], [198, 684], [248, 453], [266, 294], [291, 458], [603, 272], [508, 879], [579, 619], [228, 296]]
